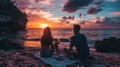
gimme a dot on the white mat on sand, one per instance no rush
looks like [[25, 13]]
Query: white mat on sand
[[54, 62]]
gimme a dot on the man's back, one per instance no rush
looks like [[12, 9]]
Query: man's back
[[80, 42]]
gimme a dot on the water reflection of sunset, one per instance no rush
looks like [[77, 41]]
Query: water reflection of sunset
[[32, 44]]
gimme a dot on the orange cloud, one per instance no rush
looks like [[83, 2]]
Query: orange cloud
[[46, 2], [116, 13], [44, 14]]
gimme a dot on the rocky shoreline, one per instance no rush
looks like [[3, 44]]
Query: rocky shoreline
[[108, 45], [25, 58]]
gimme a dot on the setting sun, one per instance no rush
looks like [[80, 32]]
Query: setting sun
[[44, 25]]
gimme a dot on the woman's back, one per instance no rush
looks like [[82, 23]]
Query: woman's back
[[46, 43]]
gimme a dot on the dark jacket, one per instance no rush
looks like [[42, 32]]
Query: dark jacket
[[80, 43]]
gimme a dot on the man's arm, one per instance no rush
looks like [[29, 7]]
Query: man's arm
[[71, 44]]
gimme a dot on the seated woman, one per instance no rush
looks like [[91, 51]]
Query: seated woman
[[46, 43], [47, 46]]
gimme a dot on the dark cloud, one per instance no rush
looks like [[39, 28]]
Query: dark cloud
[[67, 19], [70, 17], [73, 5], [110, 21], [31, 4], [22, 3], [80, 14], [92, 10], [98, 3], [95, 8]]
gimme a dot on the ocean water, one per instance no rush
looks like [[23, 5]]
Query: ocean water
[[28, 37], [91, 34]]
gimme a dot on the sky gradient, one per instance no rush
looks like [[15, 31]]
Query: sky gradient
[[65, 13]]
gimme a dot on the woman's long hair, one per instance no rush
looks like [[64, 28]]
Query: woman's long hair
[[47, 37]]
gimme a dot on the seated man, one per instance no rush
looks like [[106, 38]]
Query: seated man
[[80, 42]]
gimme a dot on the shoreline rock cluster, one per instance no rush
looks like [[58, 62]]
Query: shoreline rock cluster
[[7, 44], [111, 44]]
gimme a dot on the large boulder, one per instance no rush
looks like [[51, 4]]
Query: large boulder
[[6, 44], [108, 45], [118, 44]]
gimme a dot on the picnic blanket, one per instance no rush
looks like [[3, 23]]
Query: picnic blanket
[[54, 62]]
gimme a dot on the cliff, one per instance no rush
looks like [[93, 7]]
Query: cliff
[[11, 18]]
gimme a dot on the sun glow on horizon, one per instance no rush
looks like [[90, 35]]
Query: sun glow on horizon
[[44, 25]]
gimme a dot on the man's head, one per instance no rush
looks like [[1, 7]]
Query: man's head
[[76, 28]]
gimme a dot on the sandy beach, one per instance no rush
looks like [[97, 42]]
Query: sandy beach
[[25, 58]]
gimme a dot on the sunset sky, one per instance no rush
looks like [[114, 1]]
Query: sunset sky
[[65, 13]]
